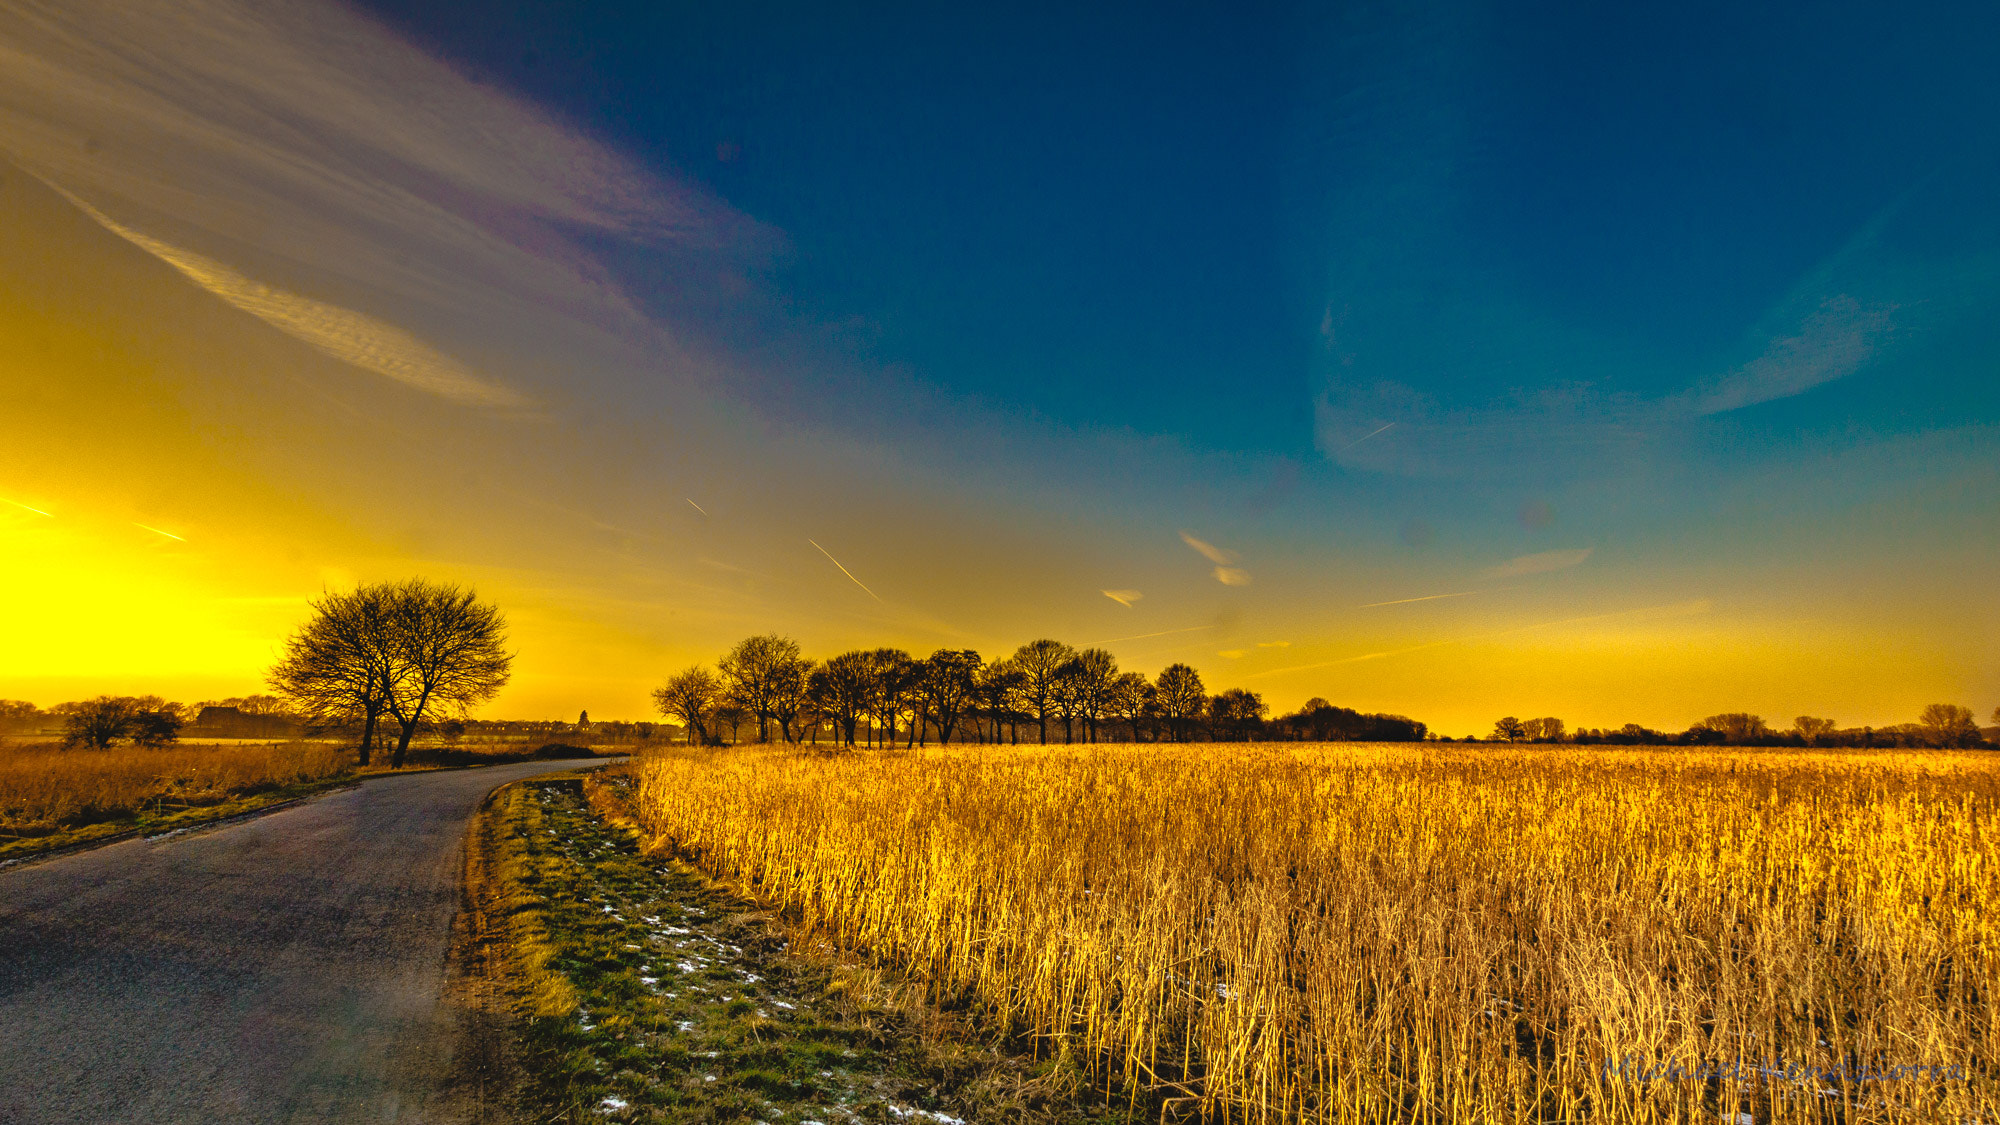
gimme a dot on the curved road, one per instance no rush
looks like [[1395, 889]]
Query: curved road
[[290, 967]]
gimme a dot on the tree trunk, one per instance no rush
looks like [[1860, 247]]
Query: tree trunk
[[368, 737], [403, 743]]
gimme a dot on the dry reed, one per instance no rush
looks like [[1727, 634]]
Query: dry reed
[[46, 788], [1373, 933]]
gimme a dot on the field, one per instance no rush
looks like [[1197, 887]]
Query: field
[[1355, 933], [46, 790]]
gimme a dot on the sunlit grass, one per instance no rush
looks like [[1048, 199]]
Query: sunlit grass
[[1388, 933], [46, 788]]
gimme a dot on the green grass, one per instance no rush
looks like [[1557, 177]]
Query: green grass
[[656, 995]]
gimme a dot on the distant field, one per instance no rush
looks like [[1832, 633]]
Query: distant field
[[46, 789], [1411, 933]]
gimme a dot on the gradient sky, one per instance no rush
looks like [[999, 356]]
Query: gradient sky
[[1455, 359]]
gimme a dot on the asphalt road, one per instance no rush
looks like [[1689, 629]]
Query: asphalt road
[[289, 967]]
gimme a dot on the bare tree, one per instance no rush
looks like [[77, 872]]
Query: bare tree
[[1040, 664], [1811, 730], [1238, 712], [690, 696], [1948, 724], [1181, 697], [1132, 700], [337, 668], [891, 671], [790, 697], [447, 654], [1548, 729], [756, 671], [1090, 677], [1736, 726], [945, 685], [843, 689], [998, 686]]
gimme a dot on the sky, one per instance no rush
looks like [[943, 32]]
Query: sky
[[1453, 360]]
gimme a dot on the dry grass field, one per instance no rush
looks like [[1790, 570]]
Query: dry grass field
[[45, 788], [1355, 933]]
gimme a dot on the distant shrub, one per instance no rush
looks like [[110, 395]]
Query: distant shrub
[[550, 751]]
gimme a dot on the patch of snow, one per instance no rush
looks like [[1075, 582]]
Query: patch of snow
[[785, 1006], [649, 980], [686, 1026], [611, 1103], [925, 1115]]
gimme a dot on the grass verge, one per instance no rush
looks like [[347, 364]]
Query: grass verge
[[646, 992]]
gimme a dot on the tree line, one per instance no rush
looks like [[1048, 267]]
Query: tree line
[[1938, 726], [874, 696]]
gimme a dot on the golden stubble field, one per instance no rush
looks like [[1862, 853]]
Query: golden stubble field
[[47, 787], [1355, 933]]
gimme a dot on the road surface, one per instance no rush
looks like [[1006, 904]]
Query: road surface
[[290, 967]]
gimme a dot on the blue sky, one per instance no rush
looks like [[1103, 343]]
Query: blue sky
[[1143, 216], [1614, 363]]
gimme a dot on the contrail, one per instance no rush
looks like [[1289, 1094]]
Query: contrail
[[157, 531], [1364, 437], [1425, 598], [704, 511], [1161, 633], [836, 562], [20, 505]]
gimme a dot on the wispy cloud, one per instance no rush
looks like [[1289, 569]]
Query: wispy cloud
[[1831, 343], [157, 531], [351, 337], [266, 147], [1123, 597], [25, 508], [1540, 563], [1224, 573]]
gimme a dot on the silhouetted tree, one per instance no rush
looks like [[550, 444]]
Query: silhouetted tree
[[945, 686], [1089, 676], [1133, 700], [1736, 726], [791, 698], [447, 654], [1948, 724], [690, 696], [842, 689], [339, 666], [757, 670], [1812, 731], [998, 688], [891, 670], [1543, 730], [97, 723], [1237, 713], [18, 714], [1510, 728], [1040, 664], [1181, 697]]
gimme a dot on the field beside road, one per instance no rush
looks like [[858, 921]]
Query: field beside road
[[1359, 933], [52, 796]]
